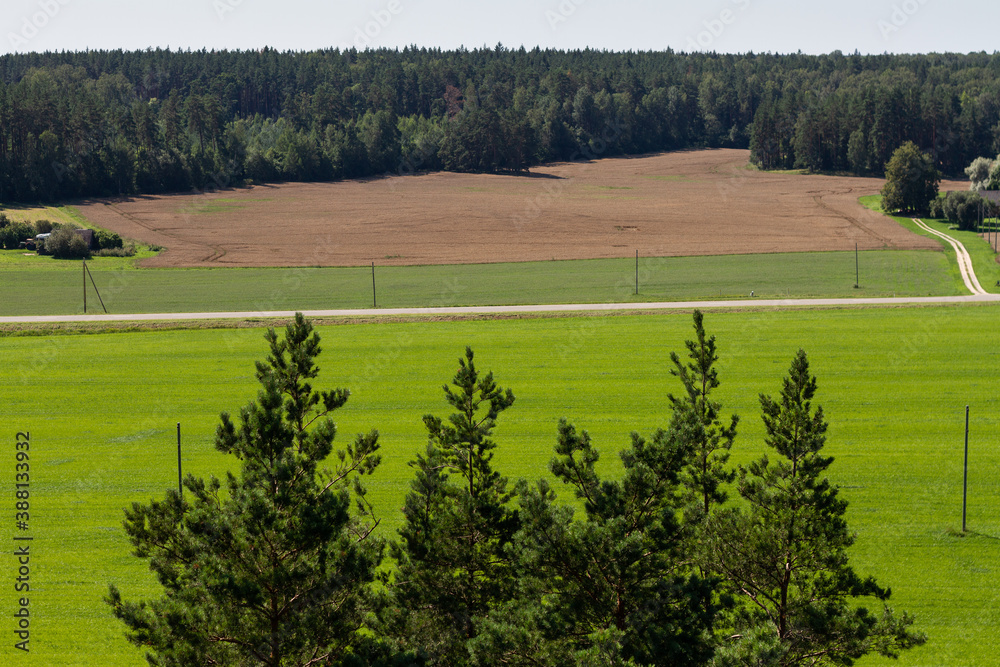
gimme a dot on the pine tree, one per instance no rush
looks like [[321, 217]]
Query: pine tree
[[611, 588], [787, 552], [696, 423], [452, 567], [271, 567]]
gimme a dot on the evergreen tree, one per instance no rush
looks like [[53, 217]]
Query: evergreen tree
[[787, 551], [765, 138], [275, 568], [857, 151], [613, 588], [452, 566], [695, 421]]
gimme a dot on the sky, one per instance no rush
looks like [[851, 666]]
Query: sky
[[725, 26]]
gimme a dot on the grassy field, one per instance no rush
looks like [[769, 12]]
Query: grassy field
[[984, 259], [102, 410], [33, 213], [44, 286]]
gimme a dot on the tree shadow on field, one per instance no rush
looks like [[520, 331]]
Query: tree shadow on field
[[530, 174], [182, 194], [954, 532]]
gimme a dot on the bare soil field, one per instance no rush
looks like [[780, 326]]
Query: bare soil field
[[706, 202]]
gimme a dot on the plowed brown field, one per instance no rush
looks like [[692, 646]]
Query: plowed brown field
[[687, 203]]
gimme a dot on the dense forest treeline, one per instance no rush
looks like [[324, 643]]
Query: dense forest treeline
[[101, 123]]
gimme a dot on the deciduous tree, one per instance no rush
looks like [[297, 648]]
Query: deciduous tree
[[979, 173], [964, 208], [911, 181]]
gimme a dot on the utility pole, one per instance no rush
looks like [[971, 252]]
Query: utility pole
[[965, 481], [87, 272], [180, 481]]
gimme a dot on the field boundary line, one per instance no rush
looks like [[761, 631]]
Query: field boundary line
[[983, 297], [964, 259]]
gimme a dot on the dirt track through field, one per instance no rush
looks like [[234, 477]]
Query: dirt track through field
[[965, 265], [686, 203]]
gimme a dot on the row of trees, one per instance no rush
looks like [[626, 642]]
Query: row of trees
[[282, 564], [111, 122]]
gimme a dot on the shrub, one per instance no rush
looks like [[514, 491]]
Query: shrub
[[13, 233], [107, 240], [937, 208], [962, 209], [43, 226], [67, 244], [127, 251]]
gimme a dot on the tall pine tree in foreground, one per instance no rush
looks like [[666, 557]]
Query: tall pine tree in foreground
[[452, 568], [271, 567], [696, 423], [697, 429], [787, 552]]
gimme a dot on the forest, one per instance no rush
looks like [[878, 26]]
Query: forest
[[109, 123]]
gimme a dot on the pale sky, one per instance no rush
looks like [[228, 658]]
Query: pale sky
[[726, 26]]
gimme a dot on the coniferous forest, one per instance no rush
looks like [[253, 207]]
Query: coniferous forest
[[105, 123]]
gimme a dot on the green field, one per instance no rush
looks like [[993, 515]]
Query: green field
[[102, 409], [45, 286], [984, 259], [32, 213]]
